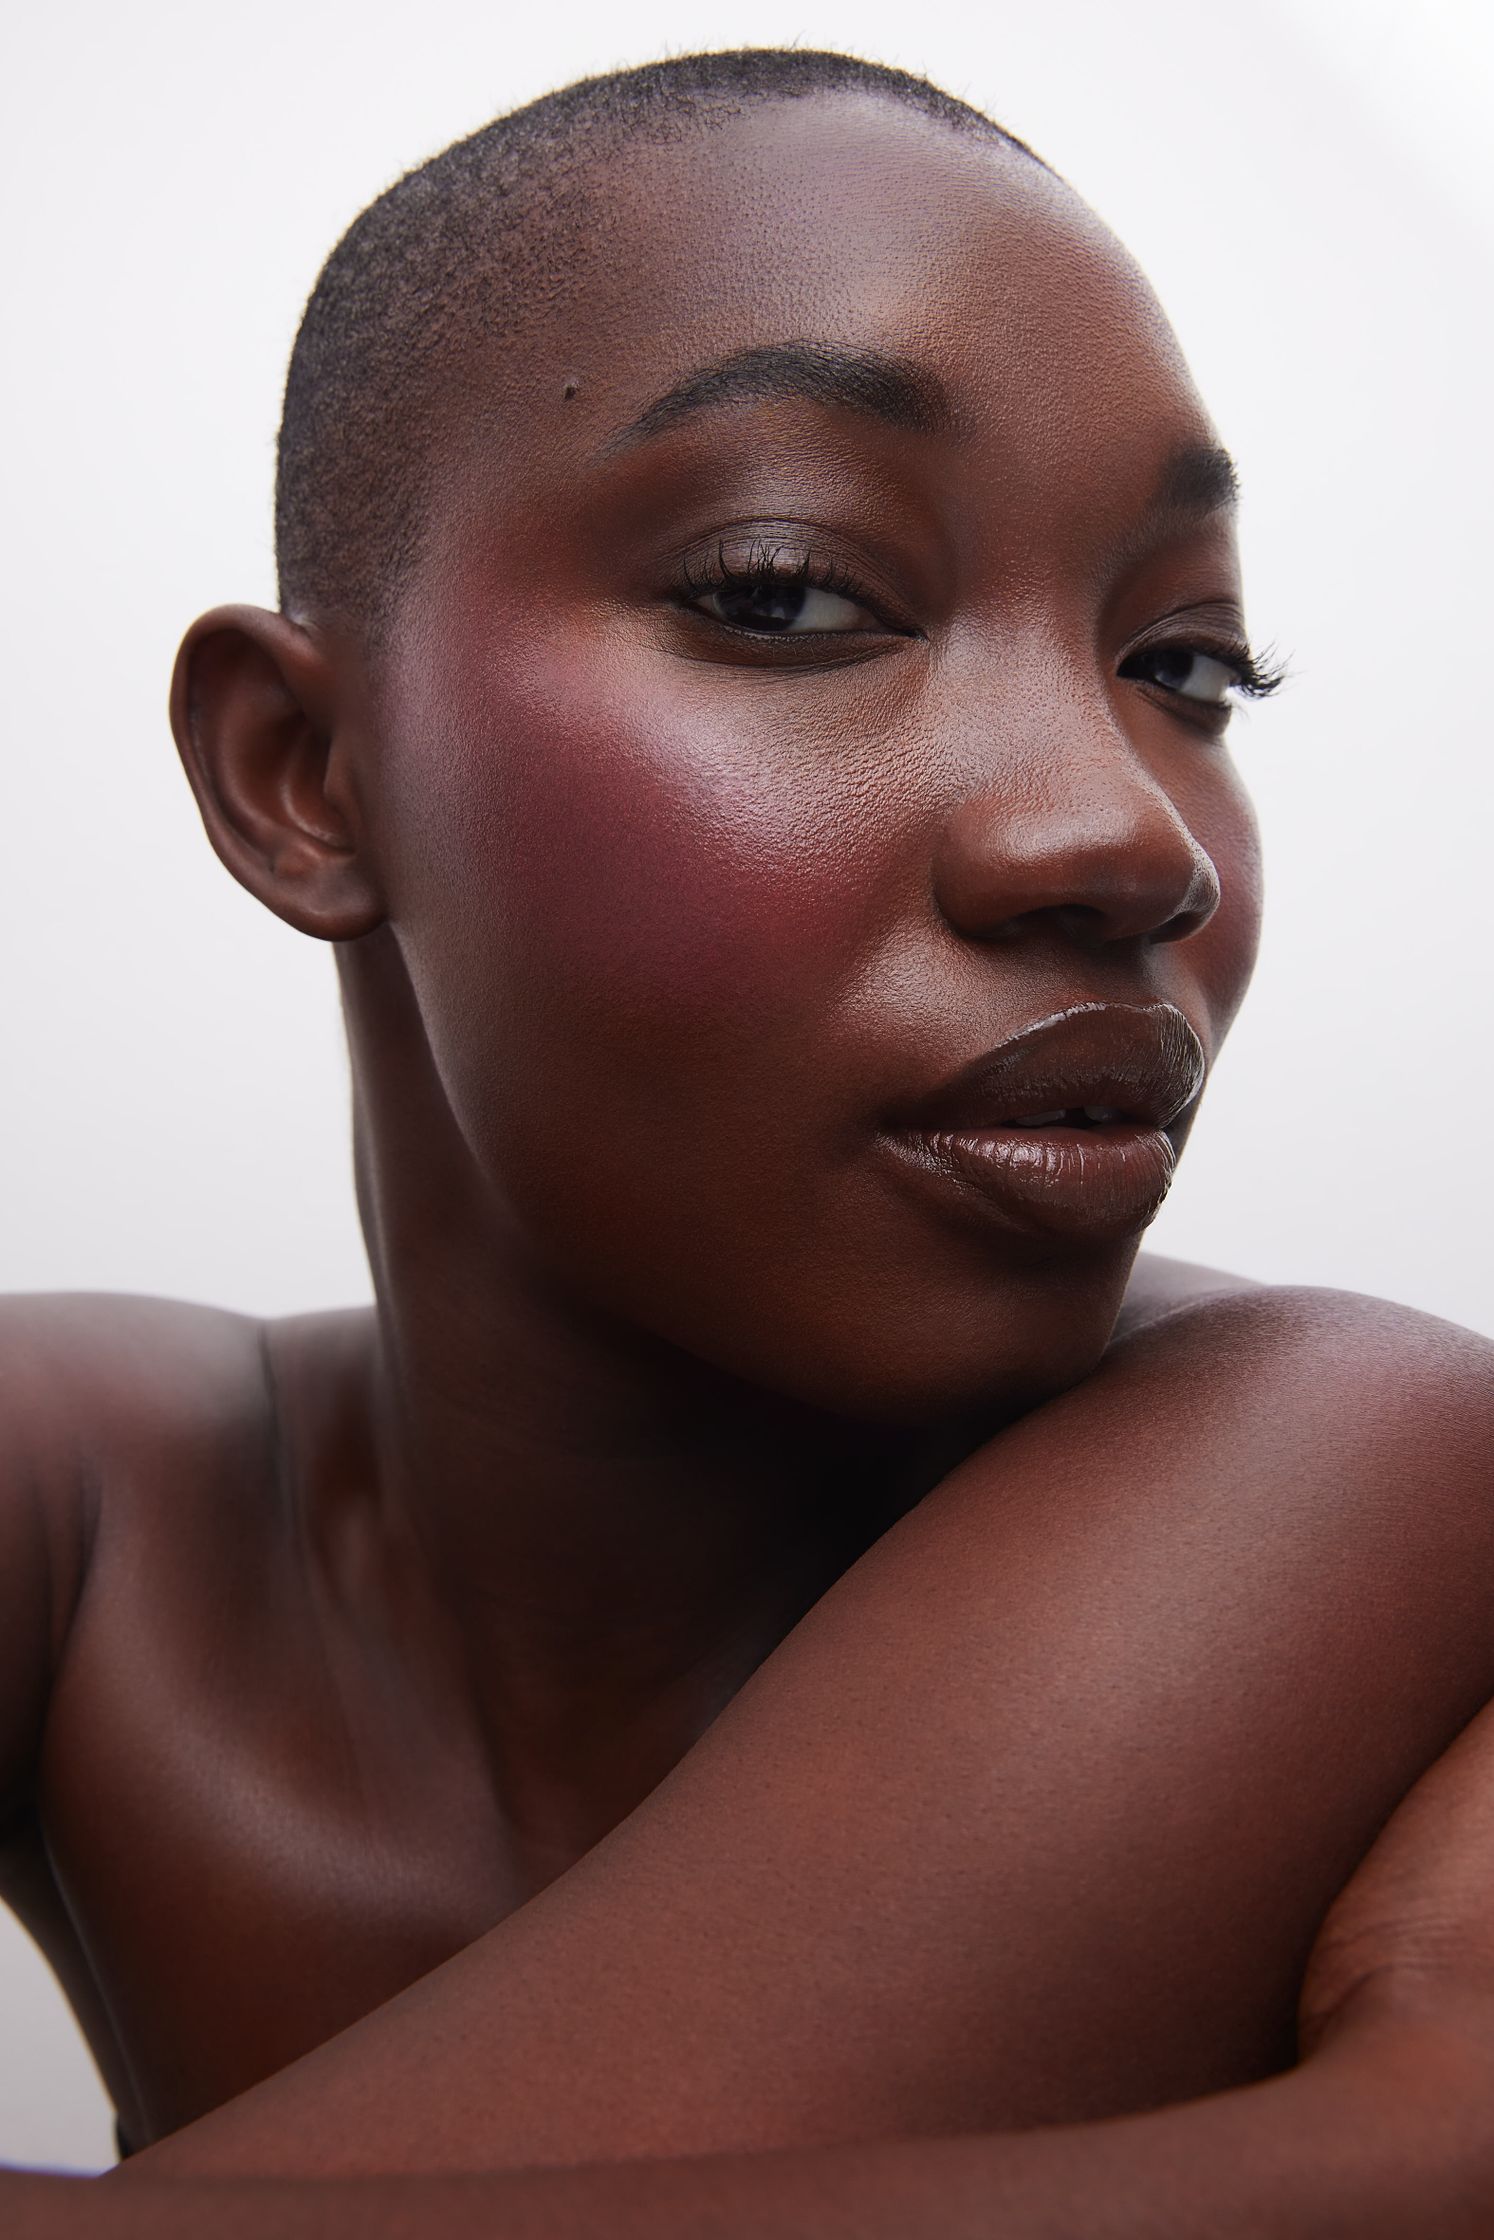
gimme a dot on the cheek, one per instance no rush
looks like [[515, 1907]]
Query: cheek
[[616, 856], [659, 872], [632, 897]]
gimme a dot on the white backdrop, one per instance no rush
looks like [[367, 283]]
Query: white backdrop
[[1308, 182]]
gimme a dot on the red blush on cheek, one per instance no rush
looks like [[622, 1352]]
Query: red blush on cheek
[[653, 856]]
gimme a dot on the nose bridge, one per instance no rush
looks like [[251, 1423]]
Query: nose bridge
[[1061, 812]]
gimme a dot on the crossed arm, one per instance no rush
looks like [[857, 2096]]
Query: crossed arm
[[1073, 1761]]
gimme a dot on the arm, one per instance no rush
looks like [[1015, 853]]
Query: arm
[[1032, 1820], [1384, 2130], [1299, 2164]]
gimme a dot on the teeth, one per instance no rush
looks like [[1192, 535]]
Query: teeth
[[1070, 1117]]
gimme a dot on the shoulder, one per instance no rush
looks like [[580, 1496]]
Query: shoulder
[[1299, 1404], [146, 1491], [77, 1368], [127, 1422], [1311, 1339], [1160, 1285], [1288, 1456], [104, 1390], [1281, 1464], [87, 1377], [1320, 1391], [124, 1416], [98, 1337], [1316, 1345], [95, 1391]]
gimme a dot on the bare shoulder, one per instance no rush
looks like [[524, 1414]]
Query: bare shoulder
[[60, 1339], [1294, 1481], [155, 1429], [1359, 1387], [100, 1390], [94, 1389], [1310, 1331], [1249, 1328], [1160, 1285], [1312, 1441], [89, 1378]]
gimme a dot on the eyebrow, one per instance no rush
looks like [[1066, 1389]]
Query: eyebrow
[[1198, 479], [886, 387]]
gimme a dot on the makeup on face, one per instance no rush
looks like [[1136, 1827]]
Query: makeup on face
[[832, 701]]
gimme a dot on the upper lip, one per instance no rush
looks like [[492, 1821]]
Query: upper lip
[[1142, 1060]]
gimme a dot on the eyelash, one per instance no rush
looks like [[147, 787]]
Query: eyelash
[[765, 566], [1257, 675]]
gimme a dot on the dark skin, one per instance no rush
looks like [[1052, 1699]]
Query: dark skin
[[471, 1629]]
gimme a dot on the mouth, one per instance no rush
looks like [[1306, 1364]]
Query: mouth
[[1080, 1116], [1093, 1065], [1064, 1128]]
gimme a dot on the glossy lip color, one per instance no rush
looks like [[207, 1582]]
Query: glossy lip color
[[1098, 1182]]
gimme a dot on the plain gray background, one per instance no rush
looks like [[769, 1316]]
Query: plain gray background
[[1309, 184]]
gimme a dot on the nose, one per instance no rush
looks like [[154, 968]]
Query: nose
[[1083, 833]]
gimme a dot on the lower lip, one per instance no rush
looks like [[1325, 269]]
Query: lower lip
[[1099, 1183]]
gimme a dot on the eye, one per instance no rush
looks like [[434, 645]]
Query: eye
[[1188, 671], [785, 604], [778, 591]]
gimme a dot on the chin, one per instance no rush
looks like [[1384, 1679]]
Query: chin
[[994, 1352]]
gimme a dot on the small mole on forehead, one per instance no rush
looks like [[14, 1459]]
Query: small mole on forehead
[[571, 389]]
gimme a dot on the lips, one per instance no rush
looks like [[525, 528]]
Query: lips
[[1061, 1129], [1142, 1061]]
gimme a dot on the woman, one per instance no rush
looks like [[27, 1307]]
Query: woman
[[777, 1626]]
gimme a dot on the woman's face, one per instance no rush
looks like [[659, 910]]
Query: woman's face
[[748, 765]]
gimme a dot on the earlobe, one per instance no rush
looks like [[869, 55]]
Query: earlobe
[[254, 709]]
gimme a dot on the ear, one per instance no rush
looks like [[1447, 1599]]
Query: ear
[[254, 706]]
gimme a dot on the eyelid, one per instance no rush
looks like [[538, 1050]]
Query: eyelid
[[1257, 675], [751, 552], [1216, 629]]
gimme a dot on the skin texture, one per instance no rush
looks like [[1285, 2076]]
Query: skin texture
[[800, 1659]]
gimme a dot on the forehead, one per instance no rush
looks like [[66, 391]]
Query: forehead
[[860, 225]]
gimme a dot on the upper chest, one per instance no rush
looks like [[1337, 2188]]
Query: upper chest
[[257, 1835]]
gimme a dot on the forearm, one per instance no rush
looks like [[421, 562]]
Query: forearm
[[1363, 2141]]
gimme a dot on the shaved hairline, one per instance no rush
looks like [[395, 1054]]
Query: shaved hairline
[[466, 249]]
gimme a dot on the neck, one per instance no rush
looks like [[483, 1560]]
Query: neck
[[615, 1533]]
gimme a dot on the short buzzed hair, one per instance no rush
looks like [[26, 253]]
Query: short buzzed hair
[[429, 264]]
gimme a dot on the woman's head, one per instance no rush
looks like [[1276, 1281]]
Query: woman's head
[[782, 654]]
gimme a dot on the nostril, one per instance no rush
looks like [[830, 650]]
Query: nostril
[[1199, 906], [1118, 869]]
